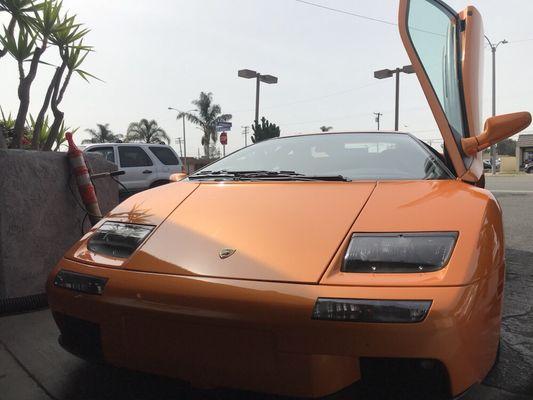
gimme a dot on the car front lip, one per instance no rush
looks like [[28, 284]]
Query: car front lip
[[142, 317]]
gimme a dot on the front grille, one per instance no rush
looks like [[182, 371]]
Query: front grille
[[79, 337]]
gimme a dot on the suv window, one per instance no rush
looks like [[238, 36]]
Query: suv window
[[165, 155], [106, 152], [132, 156]]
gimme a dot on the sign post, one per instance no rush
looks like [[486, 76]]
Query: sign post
[[223, 127], [223, 142]]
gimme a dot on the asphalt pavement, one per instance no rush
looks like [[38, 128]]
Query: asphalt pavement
[[34, 367]]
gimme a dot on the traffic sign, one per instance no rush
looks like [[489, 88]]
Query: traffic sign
[[223, 138], [223, 126]]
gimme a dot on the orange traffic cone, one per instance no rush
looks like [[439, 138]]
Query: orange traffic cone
[[83, 179]]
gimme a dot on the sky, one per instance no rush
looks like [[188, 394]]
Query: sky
[[154, 54]]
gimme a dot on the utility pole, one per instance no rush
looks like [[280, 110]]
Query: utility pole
[[178, 142], [245, 133], [378, 118], [493, 48], [182, 115]]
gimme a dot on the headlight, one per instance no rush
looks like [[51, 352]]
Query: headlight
[[118, 239], [399, 252], [80, 282]]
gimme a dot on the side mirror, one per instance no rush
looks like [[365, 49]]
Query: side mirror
[[496, 129], [178, 176]]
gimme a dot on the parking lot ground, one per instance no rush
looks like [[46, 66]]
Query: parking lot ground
[[34, 367]]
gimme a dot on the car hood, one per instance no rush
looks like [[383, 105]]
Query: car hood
[[276, 231]]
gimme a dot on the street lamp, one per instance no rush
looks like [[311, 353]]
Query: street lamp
[[493, 48], [249, 74], [388, 73], [182, 113]]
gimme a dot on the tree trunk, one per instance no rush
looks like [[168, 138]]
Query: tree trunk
[[58, 115], [54, 129], [24, 97], [42, 113], [3, 144]]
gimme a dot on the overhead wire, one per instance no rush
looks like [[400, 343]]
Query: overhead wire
[[353, 14]]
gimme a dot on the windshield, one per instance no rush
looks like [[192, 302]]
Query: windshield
[[354, 156]]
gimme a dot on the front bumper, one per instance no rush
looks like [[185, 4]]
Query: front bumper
[[260, 336]]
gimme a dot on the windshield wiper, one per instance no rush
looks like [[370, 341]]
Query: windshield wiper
[[239, 174], [266, 175]]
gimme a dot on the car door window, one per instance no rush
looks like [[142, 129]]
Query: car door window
[[133, 156], [433, 29], [106, 152], [165, 155]]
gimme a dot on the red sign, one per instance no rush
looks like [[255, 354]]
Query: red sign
[[224, 138]]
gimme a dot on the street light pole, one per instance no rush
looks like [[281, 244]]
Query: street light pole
[[182, 113], [397, 102], [378, 118], [257, 90], [249, 74], [388, 73], [493, 48]]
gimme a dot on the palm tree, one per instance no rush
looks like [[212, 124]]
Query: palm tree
[[326, 128], [147, 132], [102, 135], [207, 118]]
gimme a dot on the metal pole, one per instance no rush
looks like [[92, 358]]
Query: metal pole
[[257, 85], [493, 148], [397, 104], [378, 118], [245, 136], [178, 140], [223, 150], [185, 149]]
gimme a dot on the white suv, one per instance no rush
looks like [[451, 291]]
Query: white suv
[[145, 165]]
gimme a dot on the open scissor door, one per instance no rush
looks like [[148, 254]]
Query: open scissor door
[[446, 50]]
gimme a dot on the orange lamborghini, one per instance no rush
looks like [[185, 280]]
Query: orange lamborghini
[[279, 267]]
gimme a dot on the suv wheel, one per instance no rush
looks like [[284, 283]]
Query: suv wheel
[[530, 170]]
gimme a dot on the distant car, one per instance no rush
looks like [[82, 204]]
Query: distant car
[[528, 167], [487, 164], [145, 165]]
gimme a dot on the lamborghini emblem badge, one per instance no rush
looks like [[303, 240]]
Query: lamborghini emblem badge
[[225, 253]]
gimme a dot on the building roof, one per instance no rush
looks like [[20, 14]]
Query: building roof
[[525, 140]]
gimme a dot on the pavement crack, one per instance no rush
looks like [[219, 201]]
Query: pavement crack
[[32, 376]]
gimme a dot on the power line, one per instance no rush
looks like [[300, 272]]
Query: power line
[[311, 99], [382, 21], [324, 96]]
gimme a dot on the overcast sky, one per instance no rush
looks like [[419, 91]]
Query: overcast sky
[[155, 54]]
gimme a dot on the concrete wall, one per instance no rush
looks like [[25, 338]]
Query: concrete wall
[[508, 165], [39, 217]]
